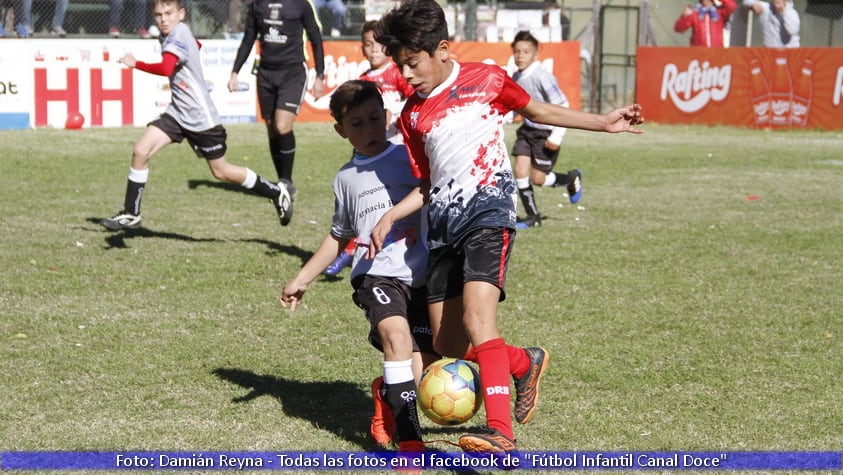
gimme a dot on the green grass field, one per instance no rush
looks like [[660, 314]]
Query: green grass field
[[692, 301]]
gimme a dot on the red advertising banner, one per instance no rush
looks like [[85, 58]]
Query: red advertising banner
[[344, 60], [747, 87]]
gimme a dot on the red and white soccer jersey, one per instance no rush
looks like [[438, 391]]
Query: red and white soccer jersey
[[394, 89], [455, 138]]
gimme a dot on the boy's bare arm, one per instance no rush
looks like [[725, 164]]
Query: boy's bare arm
[[412, 203], [294, 290], [622, 119]]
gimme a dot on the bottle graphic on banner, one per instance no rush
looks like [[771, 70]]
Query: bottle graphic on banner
[[803, 92], [760, 94], [781, 94]]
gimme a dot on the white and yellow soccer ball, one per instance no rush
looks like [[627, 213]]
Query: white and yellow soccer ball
[[449, 392]]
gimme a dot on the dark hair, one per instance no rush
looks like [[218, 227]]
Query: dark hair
[[371, 25], [416, 25], [351, 94], [524, 35], [179, 3]]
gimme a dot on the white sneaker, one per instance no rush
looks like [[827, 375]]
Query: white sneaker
[[284, 204], [120, 221], [335, 33]]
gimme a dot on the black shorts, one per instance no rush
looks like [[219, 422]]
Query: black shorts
[[281, 89], [382, 297], [530, 141], [208, 144], [481, 254]]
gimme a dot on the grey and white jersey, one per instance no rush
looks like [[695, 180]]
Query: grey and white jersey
[[542, 87], [191, 104], [364, 189]]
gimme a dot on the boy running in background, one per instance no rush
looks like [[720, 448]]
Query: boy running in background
[[536, 146], [390, 288], [191, 115], [395, 91], [453, 129]]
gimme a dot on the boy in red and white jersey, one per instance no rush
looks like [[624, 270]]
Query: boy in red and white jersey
[[453, 129]]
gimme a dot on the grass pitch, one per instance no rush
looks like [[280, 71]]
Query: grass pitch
[[692, 301]]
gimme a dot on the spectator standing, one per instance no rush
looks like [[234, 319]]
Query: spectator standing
[[707, 20], [138, 18], [24, 25], [282, 75], [337, 8], [779, 22]]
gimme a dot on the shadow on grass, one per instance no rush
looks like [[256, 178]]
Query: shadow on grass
[[337, 406], [223, 185], [117, 240]]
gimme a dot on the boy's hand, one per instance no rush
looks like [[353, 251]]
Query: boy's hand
[[233, 82], [378, 237], [318, 87], [292, 293], [128, 59], [624, 119]]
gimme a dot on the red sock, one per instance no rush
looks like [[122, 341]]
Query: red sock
[[494, 379], [519, 363]]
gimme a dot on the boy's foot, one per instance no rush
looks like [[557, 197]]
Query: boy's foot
[[488, 440], [383, 422], [343, 260], [527, 386], [284, 204], [411, 452], [114, 32], [575, 187], [528, 222], [121, 220], [58, 31], [23, 31]]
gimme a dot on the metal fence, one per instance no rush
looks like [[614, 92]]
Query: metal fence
[[822, 20]]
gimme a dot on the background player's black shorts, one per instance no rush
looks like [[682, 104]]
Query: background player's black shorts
[[530, 141], [208, 144], [382, 297], [281, 89], [481, 254]]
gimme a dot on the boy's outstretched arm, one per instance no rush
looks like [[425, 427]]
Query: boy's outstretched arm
[[622, 119], [412, 203], [294, 290]]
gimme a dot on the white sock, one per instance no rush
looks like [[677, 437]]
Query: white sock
[[251, 179], [395, 372], [138, 176], [549, 179], [522, 183]]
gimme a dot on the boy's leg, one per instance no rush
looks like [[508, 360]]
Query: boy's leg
[[152, 140], [399, 379]]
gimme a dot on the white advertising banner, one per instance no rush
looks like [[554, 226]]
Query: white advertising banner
[[45, 81]]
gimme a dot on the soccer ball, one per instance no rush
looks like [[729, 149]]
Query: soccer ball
[[449, 392]]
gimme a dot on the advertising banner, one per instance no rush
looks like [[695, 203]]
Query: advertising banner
[[43, 82], [746, 87]]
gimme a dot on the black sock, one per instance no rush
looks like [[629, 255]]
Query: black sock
[[528, 199], [404, 409], [563, 179], [266, 188], [283, 150], [134, 192]]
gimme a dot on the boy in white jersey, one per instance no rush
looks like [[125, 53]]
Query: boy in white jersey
[[453, 129], [390, 288], [191, 115], [394, 90], [536, 146]]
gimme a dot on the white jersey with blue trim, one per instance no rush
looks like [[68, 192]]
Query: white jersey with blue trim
[[364, 189]]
